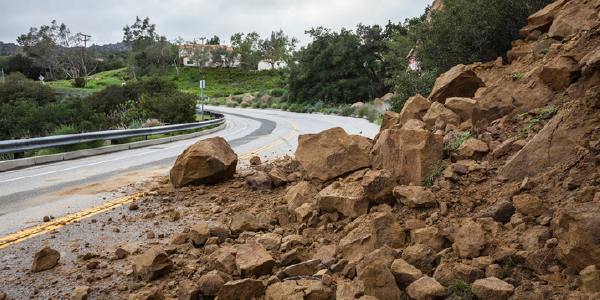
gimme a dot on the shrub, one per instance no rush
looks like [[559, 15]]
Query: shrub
[[362, 110], [373, 114], [275, 105], [277, 92], [333, 111], [410, 83], [284, 106], [460, 290], [456, 140], [346, 110], [254, 105], [79, 82], [175, 108], [263, 105], [231, 103], [244, 104], [218, 94]]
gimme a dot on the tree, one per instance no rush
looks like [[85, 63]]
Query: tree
[[177, 52], [140, 35], [278, 47], [58, 51], [225, 58], [248, 48], [200, 54], [333, 68], [214, 41], [148, 47]]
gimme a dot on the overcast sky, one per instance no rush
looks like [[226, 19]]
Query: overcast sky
[[104, 20]]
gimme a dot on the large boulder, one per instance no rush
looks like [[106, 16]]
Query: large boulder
[[460, 81], [426, 288], [437, 111], [414, 108], [415, 196], [386, 231], [378, 186], [153, 264], [409, 154], [492, 288], [470, 240], [405, 273], [571, 19], [207, 161], [347, 198], [45, 258], [299, 289], [358, 242], [461, 106], [199, 234], [577, 228], [542, 19], [329, 154], [244, 289], [253, 259], [380, 283], [561, 73]]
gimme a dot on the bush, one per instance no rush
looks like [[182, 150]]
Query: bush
[[244, 104], [373, 114], [263, 105], [175, 108], [18, 87], [79, 82], [362, 110], [230, 103], [284, 106], [275, 106], [254, 105], [346, 110], [332, 111], [219, 94], [215, 102], [277, 92], [410, 83]]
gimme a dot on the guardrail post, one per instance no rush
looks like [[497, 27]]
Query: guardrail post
[[145, 138], [18, 155], [114, 142]]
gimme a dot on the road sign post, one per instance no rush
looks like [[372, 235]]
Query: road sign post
[[202, 84]]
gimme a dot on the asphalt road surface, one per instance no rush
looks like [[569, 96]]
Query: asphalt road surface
[[66, 187]]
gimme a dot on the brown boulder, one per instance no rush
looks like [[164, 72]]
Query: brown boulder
[[437, 112], [188, 290], [561, 73], [152, 264], [278, 176], [404, 273], [222, 260], [364, 143], [577, 228], [378, 185], [347, 198], [356, 243], [299, 289], [252, 259], [590, 279], [415, 196], [385, 254], [409, 154], [426, 288], [244, 289], [307, 268], [210, 284], [80, 293], [463, 107], [148, 293], [260, 181], [469, 240], [492, 288], [243, 222], [430, 236], [386, 231], [248, 98], [207, 161], [570, 19], [420, 256], [542, 20], [460, 81], [379, 282], [199, 234], [329, 154], [45, 258], [473, 148], [529, 205], [414, 108]]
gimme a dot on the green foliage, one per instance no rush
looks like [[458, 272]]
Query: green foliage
[[456, 140], [460, 290], [18, 88], [436, 172], [254, 105], [277, 92], [409, 83], [230, 103], [79, 82], [542, 114], [244, 104], [173, 108], [284, 106], [335, 68], [346, 110], [470, 31]]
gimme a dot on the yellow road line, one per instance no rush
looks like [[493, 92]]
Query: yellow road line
[[71, 218], [61, 222]]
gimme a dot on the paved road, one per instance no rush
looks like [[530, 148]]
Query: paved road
[[57, 189]]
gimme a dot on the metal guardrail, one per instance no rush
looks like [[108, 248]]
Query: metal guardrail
[[19, 146]]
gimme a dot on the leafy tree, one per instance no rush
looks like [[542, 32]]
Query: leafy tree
[[24, 65], [200, 54], [140, 35], [224, 57], [248, 48], [214, 41], [278, 47], [174, 108], [470, 31], [148, 47], [333, 68], [17, 87], [58, 51]]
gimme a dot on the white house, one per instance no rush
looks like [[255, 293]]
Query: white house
[[186, 51], [265, 64]]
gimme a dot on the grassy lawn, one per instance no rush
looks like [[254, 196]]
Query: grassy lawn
[[218, 81]]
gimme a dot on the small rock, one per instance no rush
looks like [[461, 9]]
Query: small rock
[[405, 273], [426, 288], [46, 219], [80, 293], [210, 284], [252, 259], [150, 235], [469, 240], [590, 280], [133, 206], [420, 256], [492, 288], [188, 290], [121, 253], [45, 258], [244, 289], [415, 196], [379, 282], [153, 264], [255, 161], [198, 234]]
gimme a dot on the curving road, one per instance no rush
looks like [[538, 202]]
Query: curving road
[[66, 187]]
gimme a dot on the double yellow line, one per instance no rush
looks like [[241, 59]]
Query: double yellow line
[[71, 218]]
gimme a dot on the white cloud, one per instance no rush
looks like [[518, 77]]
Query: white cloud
[[104, 20]]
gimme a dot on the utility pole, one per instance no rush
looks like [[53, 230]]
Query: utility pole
[[85, 37], [202, 39]]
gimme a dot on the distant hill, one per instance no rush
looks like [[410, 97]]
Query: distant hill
[[9, 49], [113, 47]]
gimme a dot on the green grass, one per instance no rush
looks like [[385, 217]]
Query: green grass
[[96, 82], [460, 290]]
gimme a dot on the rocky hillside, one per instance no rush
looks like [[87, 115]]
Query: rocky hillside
[[489, 188]]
